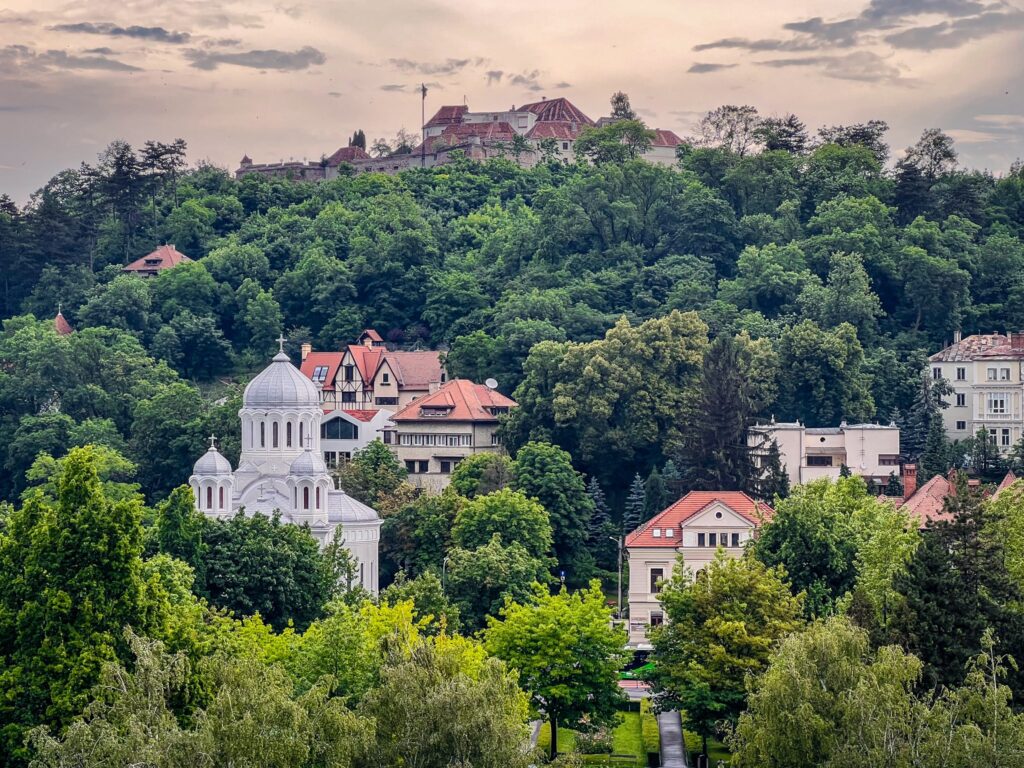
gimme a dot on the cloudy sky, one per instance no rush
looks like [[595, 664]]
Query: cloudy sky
[[293, 79]]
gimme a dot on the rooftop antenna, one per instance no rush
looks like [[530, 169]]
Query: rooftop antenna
[[491, 383]]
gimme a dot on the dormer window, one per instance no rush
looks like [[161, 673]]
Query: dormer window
[[669, 533], [656, 533], [319, 374], [434, 411], [497, 410]]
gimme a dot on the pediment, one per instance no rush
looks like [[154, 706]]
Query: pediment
[[718, 514]]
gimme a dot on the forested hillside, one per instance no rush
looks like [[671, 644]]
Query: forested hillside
[[836, 270]]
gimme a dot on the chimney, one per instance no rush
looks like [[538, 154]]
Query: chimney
[[957, 335], [909, 480], [1017, 341], [306, 349]]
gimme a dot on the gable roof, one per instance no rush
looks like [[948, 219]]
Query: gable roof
[[450, 115], [929, 501], [986, 345], [462, 399], [1009, 480], [415, 370], [688, 507], [164, 257], [361, 414], [367, 360], [347, 155], [315, 359], [370, 334], [665, 138], [499, 131], [62, 326], [555, 130], [559, 110]]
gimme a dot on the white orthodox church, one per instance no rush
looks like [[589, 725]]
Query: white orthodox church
[[282, 469]]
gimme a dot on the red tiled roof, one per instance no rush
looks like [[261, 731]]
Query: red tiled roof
[[314, 359], [665, 138], [165, 257], [347, 155], [553, 130], [500, 131], [361, 414], [978, 345], [559, 110], [929, 501], [463, 399], [689, 506], [451, 115], [415, 370], [370, 334], [1009, 480], [367, 360], [62, 326]]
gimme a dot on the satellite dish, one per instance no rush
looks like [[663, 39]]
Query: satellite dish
[[491, 383]]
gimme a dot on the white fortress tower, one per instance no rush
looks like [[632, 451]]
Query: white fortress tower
[[281, 468]]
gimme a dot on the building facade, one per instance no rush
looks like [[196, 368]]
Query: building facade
[[986, 374], [345, 432], [696, 526], [281, 468], [431, 435], [871, 451]]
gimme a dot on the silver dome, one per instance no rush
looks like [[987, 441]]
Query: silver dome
[[212, 464], [308, 464], [281, 385]]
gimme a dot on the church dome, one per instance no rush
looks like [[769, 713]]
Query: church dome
[[308, 464], [212, 464], [281, 385]]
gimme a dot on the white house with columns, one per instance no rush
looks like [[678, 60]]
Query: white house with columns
[[281, 468]]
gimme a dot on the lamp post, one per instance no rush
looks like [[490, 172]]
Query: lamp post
[[444, 566], [618, 606]]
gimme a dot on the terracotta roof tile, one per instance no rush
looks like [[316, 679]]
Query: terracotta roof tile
[[316, 359], [499, 131], [559, 110], [665, 138], [164, 257], [989, 345], [450, 115], [463, 399], [929, 501], [62, 326], [362, 414], [555, 130], [370, 334], [1009, 480], [347, 155], [415, 370], [689, 506]]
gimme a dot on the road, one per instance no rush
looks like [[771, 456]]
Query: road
[[673, 753]]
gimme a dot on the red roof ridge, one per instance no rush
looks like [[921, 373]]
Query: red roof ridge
[[168, 256], [691, 505]]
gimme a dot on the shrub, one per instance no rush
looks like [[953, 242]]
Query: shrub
[[596, 742]]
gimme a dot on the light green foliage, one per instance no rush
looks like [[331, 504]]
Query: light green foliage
[[720, 628], [511, 516], [614, 143], [430, 603], [373, 472], [481, 473], [566, 652]]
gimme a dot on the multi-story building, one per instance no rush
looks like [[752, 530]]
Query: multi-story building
[[433, 434], [986, 373], [871, 451], [345, 432], [696, 526], [368, 376]]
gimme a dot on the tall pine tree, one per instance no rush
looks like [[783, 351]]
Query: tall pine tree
[[935, 457], [633, 514], [602, 531], [654, 494]]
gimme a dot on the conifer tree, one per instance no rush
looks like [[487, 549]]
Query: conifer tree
[[893, 487], [633, 514], [926, 408], [673, 481], [936, 454], [602, 530], [774, 480], [654, 494]]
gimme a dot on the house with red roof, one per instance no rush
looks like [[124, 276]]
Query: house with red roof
[[986, 374], [150, 265], [696, 527], [367, 375], [432, 434]]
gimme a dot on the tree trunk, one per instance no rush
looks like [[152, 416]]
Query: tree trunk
[[704, 747], [554, 738]]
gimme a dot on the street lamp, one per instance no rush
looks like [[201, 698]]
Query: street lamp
[[618, 606], [444, 565]]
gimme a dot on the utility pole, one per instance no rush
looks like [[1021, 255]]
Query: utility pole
[[618, 607], [423, 125]]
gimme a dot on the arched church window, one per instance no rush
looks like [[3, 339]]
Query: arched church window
[[209, 497], [222, 498], [263, 434], [302, 436], [318, 497], [274, 432], [288, 434], [305, 498]]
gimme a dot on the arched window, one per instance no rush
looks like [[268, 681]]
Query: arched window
[[274, 431], [288, 434], [302, 435], [263, 434], [318, 497], [305, 498], [209, 497], [252, 435], [222, 497]]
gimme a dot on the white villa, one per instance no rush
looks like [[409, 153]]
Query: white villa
[[696, 526], [281, 468]]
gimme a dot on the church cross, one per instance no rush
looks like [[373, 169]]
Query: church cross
[[309, 442], [280, 342], [213, 441]]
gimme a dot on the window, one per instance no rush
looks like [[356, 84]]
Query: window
[[735, 539], [221, 498], [991, 374], [1004, 438], [712, 539], [385, 378], [386, 400], [961, 374], [350, 373], [263, 434], [410, 467], [656, 533], [430, 411], [209, 497], [819, 461], [961, 400], [657, 574], [387, 438], [339, 429], [319, 374], [424, 466], [997, 402], [565, 145], [495, 438], [302, 435], [961, 426], [888, 460], [275, 429], [288, 434], [936, 373], [701, 540], [1004, 374], [657, 618], [348, 397], [318, 497], [447, 465], [331, 459], [669, 533], [305, 498]]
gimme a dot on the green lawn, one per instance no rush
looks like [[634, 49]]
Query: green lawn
[[626, 741], [716, 749]]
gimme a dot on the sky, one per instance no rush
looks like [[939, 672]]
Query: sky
[[295, 78]]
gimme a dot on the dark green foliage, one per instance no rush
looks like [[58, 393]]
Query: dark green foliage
[[655, 494], [633, 513]]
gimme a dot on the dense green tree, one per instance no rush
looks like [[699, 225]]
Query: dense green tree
[[567, 654], [701, 661], [373, 472], [787, 134], [617, 142], [936, 458], [429, 601], [510, 515], [481, 474], [633, 513], [416, 536]]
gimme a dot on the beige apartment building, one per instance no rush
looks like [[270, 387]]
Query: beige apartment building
[[696, 526], [871, 451], [986, 373], [431, 435]]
